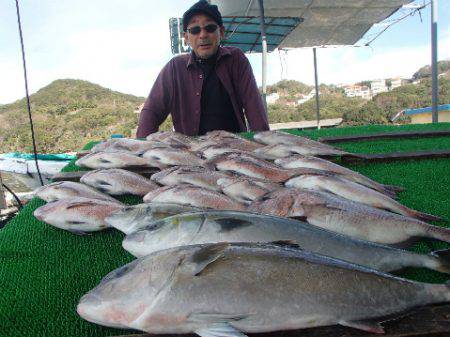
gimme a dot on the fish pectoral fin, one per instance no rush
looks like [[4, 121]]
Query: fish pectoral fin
[[104, 183], [80, 204], [220, 330], [373, 327], [77, 232], [203, 257]]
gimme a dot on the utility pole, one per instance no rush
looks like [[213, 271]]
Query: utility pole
[[434, 56]]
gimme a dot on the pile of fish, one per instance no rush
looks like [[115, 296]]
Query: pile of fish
[[237, 236]]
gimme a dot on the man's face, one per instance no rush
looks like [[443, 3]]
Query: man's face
[[203, 44]]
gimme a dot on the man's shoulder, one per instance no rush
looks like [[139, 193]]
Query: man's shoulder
[[233, 51], [180, 59]]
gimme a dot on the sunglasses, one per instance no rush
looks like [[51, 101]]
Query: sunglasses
[[211, 28]]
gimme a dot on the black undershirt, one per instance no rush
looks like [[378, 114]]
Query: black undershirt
[[217, 111]]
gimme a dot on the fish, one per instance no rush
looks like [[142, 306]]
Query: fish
[[224, 139], [347, 217], [77, 215], [245, 189], [230, 290], [165, 157], [250, 166], [174, 139], [194, 175], [275, 137], [213, 150], [106, 160], [190, 195], [118, 182], [356, 192], [233, 226], [69, 189], [132, 218], [277, 151], [299, 161], [134, 146]]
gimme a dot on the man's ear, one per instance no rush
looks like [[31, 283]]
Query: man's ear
[[222, 32], [186, 40]]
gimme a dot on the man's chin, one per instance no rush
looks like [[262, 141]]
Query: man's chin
[[205, 54]]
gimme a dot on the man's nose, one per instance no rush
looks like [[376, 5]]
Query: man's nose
[[203, 33]]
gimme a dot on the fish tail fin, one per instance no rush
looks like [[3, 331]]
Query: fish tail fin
[[394, 188], [422, 216], [440, 293], [443, 260], [438, 233]]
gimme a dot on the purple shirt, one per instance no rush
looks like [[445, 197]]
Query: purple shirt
[[177, 91]]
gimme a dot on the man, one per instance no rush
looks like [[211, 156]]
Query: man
[[210, 89]]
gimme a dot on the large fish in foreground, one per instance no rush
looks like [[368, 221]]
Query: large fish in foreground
[[228, 290], [132, 218], [77, 215], [118, 182], [232, 226], [70, 189], [347, 217], [331, 182]]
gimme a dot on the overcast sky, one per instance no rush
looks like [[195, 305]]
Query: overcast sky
[[122, 45]]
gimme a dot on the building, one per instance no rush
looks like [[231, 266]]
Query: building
[[423, 115], [272, 98], [306, 98], [358, 91], [378, 86]]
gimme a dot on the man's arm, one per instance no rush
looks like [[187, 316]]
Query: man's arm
[[251, 98], [156, 107]]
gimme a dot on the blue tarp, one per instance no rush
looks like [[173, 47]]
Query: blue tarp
[[443, 107], [30, 156]]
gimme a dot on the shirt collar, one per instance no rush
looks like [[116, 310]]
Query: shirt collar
[[220, 53]]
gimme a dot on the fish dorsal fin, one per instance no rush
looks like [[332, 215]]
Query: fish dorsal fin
[[286, 243], [203, 257], [216, 325], [373, 327]]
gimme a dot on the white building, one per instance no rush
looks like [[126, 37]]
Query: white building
[[358, 91], [378, 86], [397, 82], [272, 98], [306, 98]]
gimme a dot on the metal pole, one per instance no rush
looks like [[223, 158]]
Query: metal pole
[[434, 69], [2, 195], [317, 89], [264, 52]]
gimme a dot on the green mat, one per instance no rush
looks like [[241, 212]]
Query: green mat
[[44, 271]]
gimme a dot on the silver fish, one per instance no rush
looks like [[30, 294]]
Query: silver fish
[[77, 215], [106, 160], [193, 196], [118, 182], [171, 138], [356, 192], [194, 175], [277, 151], [245, 189], [299, 161], [232, 289], [165, 157], [132, 218], [134, 146], [343, 216], [232, 226], [250, 166], [275, 137], [69, 189]]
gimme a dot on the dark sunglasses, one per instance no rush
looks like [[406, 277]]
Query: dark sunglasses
[[211, 28]]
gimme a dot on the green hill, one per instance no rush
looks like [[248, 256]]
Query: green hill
[[67, 114]]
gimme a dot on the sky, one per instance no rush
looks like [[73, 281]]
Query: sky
[[122, 45]]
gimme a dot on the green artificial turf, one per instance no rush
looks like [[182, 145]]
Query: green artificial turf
[[44, 270]]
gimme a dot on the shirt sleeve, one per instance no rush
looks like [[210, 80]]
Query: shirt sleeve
[[157, 105], [251, 98]]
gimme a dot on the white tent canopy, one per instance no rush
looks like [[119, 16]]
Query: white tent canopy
[[326, 22]]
